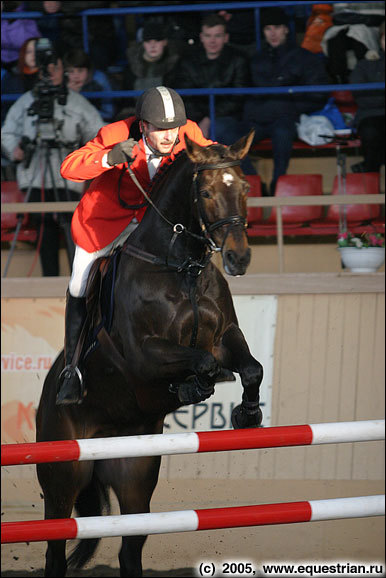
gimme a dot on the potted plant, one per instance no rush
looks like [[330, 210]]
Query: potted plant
[[364, 254]]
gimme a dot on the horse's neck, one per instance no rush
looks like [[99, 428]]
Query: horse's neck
[[173, 203]]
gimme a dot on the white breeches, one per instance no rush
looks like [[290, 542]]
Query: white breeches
[[84, 260]]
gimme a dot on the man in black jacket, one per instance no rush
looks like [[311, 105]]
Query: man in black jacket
[[281, 63], [213, 64]]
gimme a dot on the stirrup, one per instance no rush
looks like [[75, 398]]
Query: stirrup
[[71, 386]]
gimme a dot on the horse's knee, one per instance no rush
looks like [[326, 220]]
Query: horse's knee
[[208, 366]]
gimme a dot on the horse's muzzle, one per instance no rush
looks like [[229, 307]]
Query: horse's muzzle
[[234, 263]]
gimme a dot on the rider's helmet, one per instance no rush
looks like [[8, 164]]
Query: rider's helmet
[[162, 107]]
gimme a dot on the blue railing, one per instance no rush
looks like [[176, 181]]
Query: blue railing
[[213, 92]]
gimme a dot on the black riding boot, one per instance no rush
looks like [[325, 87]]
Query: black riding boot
[[71, 380]]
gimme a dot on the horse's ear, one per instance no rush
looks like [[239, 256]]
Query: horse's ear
[[194, 151], [242, 146]]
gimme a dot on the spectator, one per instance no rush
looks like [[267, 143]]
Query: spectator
[[241, 29], [67, 30], [354, 32], [74, 121], [214, 64], [317, 24], [82, 78], [50, 24], [281, 63], [150, 62], [20, 78], [14, 32], [370, 117]]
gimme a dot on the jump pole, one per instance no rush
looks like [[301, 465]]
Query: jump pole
[[192, 520], [192, 442]]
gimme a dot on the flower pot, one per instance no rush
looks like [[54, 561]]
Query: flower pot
[[363, 260]]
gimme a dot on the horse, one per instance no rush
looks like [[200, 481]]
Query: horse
[[175, 329]]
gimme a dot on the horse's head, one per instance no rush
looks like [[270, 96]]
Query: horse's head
[[221, 196]]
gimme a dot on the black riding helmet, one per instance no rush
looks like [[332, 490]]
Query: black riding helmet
[[162, 107]]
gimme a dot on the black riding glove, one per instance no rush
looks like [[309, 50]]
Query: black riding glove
[[122, 152]]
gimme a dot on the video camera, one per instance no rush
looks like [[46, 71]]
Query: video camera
[[44, 90]]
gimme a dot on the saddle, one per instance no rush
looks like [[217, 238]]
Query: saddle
[[100, 309]]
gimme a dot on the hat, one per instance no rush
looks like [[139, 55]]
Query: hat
[[273, 16], [153, 31]]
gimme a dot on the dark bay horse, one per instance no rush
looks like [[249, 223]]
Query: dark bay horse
[[175, 327]]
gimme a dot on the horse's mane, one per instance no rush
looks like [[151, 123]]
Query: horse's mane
[[159, 177]]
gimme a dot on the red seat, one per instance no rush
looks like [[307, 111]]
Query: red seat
[[356, 184], [10, 193], [298, 186], [255, 214]]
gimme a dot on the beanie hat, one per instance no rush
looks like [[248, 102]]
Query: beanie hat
[[153, 31], [273, 16]]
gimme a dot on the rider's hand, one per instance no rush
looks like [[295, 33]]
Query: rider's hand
[[18, 154], [122, 152]]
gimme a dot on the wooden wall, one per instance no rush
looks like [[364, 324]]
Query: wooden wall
[[328, 366]]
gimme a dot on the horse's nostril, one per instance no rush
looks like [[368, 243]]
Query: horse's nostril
[[230, 256]]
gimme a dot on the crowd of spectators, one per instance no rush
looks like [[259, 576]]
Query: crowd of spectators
[[203, 50]]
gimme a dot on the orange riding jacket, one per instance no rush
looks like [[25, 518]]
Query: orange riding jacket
[[99, 217]]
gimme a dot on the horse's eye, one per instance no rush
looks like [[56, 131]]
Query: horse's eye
[[205, 194]]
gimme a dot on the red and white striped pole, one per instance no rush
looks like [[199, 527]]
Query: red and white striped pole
[[192, 520], [193, 442]]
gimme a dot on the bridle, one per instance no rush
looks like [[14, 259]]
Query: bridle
[[190, 266]]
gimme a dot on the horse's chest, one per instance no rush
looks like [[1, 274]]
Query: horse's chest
[[198, 314]]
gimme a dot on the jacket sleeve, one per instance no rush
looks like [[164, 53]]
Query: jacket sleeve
[[87, 162], [12, 130]]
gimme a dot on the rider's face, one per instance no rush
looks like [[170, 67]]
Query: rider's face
[[160, 139]]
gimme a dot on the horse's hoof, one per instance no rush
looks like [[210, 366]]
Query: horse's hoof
[[241, 419], [191, 392]]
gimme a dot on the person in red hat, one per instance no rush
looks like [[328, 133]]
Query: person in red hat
[[113, 205]]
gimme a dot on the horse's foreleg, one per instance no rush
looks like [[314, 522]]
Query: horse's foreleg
[[238, 358], [166, 360]]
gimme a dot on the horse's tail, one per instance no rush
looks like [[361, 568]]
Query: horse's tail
[[92, 501]]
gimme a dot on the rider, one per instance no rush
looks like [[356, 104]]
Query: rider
[[124, 156]]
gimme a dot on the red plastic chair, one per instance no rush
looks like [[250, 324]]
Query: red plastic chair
[[298, 186], [356, 184], [255, 214], [10, 193]]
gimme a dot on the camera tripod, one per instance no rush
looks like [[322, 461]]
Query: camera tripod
[[41, 156]]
